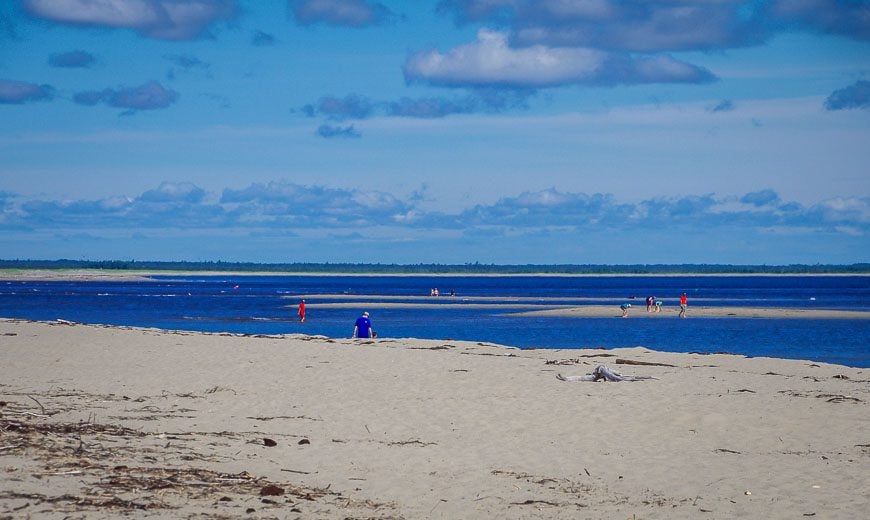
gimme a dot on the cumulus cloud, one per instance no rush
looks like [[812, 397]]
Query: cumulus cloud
[[174, 192], [726, 105], [760, 198], [358, 107], [844, 17], [661, 25], [287, 206], [161, 19], [856, 95], [431, 107], [348, 13], [649, 27], [149, 96], [185, 64], [19, 92], [338, 132], [276, 203], [352, 106], [490, 61], [72, 59]]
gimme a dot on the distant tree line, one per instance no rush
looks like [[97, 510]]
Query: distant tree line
[[469, 268]]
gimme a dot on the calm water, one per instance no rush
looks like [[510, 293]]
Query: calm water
[[266, 305]]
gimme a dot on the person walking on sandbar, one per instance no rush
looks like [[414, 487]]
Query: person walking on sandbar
[[683, 305]]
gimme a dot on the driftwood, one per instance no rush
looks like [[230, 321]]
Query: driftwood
[[620, 361], [602, 373]]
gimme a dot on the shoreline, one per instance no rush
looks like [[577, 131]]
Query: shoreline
[[111, 421], [147, 275]]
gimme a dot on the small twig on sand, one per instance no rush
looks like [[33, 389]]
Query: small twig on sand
[[27, 413], [297, 471], [37, 402], [74, 472]]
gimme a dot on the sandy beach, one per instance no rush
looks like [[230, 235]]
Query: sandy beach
[[101, 422]]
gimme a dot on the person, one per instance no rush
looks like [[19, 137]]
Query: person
[[650, 300], [301, 311], [658, 305], [683, 305], [363, 327], [625, 307]]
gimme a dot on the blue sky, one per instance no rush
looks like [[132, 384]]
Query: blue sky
[[453, 131]]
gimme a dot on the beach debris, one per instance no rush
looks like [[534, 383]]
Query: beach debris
[[303, 441], [725, 450], [412, 442], [562, 362], [620, 361], [271, 490], [269, 442], [602, 373], [219, 388], [271, 418], [838, 398], [531, 502], [300, 471], [115, 470], [747, 492]]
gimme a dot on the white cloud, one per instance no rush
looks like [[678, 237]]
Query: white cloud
[[491, 62], [163, 19]]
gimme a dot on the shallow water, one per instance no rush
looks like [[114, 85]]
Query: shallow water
[[266, 305]]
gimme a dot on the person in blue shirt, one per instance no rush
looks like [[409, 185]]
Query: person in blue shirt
[[624, 307], [363, 327]]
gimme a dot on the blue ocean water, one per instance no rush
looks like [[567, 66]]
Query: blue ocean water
[[266, 305]]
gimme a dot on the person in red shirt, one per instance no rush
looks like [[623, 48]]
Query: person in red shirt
[[301, 311], [683, 305]]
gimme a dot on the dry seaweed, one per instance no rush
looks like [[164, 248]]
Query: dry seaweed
[[116, 470]]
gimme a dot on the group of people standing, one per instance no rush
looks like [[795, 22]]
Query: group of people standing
[[653, 304], [362, 327]]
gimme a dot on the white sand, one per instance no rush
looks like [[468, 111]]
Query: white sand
[[404, 428]]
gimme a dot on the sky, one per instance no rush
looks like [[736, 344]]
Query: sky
[[439, 131]]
